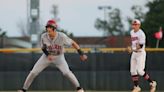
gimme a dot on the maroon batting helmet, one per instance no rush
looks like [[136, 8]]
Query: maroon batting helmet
[[51, 23]]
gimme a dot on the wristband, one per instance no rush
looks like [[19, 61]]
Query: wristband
[[80, 52]]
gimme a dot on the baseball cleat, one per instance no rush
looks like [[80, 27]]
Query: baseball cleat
[[153, 86], [136, 89], [80, 90], [21, 90]]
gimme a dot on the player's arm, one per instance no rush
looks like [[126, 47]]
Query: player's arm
[[45, 50], [83, 57], [43, 46], [69, 42], [77, 47], [128, 49], [49, 56], [141, 42]]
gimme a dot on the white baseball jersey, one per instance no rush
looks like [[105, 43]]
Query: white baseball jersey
[[137, 63], [55, 46], [138, 38]]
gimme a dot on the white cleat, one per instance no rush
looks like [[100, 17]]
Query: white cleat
[[20, 91], [136, 89], [80, 90], [153, 86]]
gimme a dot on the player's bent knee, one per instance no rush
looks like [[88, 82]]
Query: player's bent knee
[[141, 72], [133, 73]]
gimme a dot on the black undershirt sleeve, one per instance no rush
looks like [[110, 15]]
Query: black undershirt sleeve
[[45, 50]]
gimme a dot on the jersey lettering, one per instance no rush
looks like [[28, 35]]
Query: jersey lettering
[[134, 38], [54, 49], [55, 46]]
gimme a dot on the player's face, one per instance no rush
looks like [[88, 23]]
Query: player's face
[[136, 26], [50, 31]]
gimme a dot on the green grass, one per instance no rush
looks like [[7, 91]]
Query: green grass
[[75, 91]]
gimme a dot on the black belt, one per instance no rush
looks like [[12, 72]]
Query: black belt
[[137, 51]]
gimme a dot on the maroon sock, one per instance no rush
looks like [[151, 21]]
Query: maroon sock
[[146, 77], [135, 79]]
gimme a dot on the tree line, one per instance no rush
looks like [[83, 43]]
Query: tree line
[[151, 20]]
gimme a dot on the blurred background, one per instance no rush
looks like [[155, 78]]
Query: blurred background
[[100, 27]]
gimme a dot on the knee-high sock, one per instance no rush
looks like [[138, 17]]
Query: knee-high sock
[[147, 77], [29, 80], [135, 79], [73, 79]]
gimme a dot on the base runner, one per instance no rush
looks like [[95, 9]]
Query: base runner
[[52, 43]]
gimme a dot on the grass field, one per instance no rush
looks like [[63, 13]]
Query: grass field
[[75, 91]]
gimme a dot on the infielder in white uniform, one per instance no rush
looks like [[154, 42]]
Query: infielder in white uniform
[[52, 44], [137, 62]]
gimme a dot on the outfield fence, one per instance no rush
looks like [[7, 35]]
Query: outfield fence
[[72, 50], [106, 69]]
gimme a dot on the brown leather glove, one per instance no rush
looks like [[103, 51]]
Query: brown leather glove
[[129, 49]]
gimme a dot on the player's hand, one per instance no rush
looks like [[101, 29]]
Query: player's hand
[[83, 57], [129, 49], [50, 57]]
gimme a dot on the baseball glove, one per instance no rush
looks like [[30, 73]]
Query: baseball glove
[[129, 49]]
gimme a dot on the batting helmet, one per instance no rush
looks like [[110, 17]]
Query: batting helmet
[[136, 21], [51, 23]]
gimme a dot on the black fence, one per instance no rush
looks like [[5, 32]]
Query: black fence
[[102, 71]]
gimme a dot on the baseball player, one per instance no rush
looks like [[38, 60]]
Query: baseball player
[[52, 43], [137, 62]]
